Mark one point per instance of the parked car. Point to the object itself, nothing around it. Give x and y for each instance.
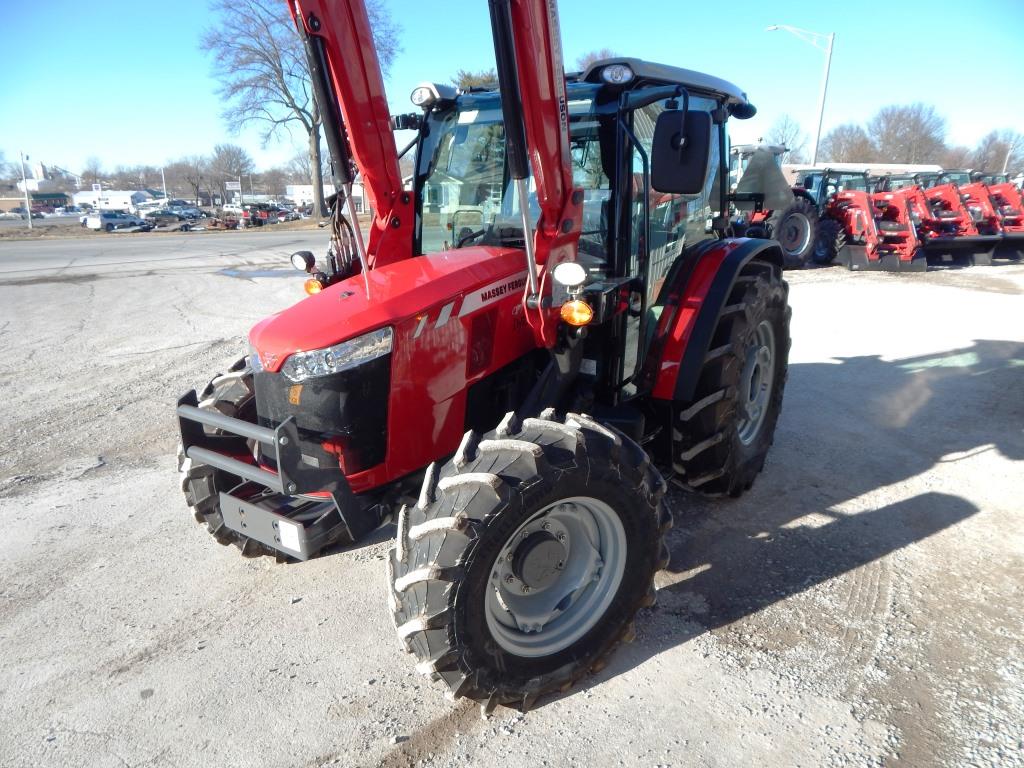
(20, 210)
(9, 215)
(190, 212)
(232, 208)
(163, 216)
(111, 220)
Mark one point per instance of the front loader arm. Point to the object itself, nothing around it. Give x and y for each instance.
(528, 52)
(357, 102)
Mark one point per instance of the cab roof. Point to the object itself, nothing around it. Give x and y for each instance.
(663, 73)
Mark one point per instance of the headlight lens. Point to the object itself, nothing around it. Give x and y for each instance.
(340, 357)
(617, 74)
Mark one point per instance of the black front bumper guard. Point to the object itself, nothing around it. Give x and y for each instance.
(267, 506)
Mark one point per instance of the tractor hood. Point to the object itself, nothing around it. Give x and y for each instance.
(398, 292)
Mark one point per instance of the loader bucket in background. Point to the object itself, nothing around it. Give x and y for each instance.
(963, 250)
(857, 259)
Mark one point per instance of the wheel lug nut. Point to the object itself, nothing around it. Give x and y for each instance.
(526, 589)
(546, 526)
(509, 579)
(561, 537)
(509, 557)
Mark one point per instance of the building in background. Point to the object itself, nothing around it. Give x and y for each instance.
(113, 199)
(302, 194)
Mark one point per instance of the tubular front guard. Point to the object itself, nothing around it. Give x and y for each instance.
(271, 507)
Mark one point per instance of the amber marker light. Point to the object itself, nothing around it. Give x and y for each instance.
(577, 312)
(312, 285)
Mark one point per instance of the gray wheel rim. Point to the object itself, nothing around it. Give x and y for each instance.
(795, 234)
(756, 382)
(540, 622)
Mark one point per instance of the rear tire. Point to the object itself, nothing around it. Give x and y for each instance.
(831, 238)
(232, 394)
(794, 228)
(721, 437)
(453, 558)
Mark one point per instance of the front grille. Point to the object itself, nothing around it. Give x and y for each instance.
(343, 415)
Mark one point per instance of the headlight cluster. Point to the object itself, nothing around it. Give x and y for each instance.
(340, 357)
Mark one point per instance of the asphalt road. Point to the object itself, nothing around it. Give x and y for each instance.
(861, 606)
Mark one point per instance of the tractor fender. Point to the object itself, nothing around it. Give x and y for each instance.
(693, 297)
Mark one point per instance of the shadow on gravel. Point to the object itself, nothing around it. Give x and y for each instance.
(847, 429)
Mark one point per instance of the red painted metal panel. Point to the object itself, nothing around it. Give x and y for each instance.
(680, 313)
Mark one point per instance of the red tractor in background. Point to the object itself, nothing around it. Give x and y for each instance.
(513, 362)
(995, 206)
(789, 215)
(863, 229)
(946, 229)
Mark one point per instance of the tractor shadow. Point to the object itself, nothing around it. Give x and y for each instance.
(847, 429)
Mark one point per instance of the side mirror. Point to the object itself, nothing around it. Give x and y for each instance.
(304, 261)
(679, 164)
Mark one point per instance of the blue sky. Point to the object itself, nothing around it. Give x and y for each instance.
(126, 82)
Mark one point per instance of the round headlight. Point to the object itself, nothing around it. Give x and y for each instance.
(617, 74)
(570, 274)
(422, 96)
(303, 261)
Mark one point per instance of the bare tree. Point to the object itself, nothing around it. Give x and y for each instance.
(588, 58)
(847, 143)
(92, 172)
(272, 181)
(229, 162)
(300, 170)
(465, 79)
(6, 169)
(786, 131)
(188, 175)
(957, 156)
(998, 150)
(912, 133)
(260, 62)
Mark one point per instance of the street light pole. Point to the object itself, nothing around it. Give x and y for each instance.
(818, 40)
(24, 187)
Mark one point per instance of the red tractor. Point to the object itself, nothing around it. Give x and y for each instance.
(947, 230)
(860, 228)
(511, 364)
(996, 207)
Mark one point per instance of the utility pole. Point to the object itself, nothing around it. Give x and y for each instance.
(24, 187)
(817, 39)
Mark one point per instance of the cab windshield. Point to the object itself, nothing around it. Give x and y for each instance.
(468, 197)
(957, 177)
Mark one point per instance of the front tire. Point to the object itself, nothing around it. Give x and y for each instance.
(515, 509)
(794, 228)
(233, 395)
(721, 437)
(831, 239)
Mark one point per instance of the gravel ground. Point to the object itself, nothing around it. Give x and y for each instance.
(861, 606)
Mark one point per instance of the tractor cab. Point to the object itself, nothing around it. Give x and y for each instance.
(821, 185)
(994, 178)
(465, 194)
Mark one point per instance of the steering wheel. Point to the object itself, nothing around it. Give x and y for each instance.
(466, 235)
